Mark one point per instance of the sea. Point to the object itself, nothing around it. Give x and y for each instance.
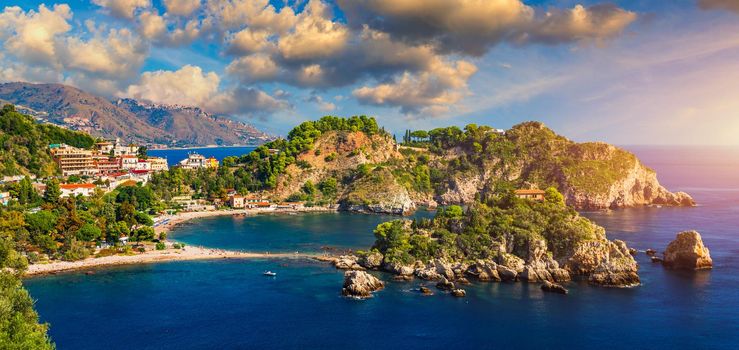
(229, 304)
(175, 155)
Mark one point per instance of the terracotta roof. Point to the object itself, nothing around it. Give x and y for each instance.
(76, 186)
(530, 192)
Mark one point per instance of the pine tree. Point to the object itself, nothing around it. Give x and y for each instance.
(52, 192)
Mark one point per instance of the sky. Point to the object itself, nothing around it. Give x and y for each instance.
(624, 72)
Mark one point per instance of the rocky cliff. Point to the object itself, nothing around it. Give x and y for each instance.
(374, 174)
(590, 175)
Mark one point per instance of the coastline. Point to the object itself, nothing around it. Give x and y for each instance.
(182, 217)
(187, 253)
(171, 254)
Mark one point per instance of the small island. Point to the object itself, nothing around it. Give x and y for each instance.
(500, 238)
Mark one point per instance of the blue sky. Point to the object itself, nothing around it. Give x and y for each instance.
(625, 72)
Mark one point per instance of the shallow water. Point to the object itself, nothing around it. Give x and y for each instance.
(229, 304)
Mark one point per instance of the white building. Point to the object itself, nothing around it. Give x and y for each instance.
(73, 190)
(193, 161)
(117, 148)
(158, 164)
(129, 162)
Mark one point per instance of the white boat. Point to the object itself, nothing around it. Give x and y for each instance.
(270, 273)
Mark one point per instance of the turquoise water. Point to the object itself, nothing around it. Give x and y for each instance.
(306, 232)
(229, 304)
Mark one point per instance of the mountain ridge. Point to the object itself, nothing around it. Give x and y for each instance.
(128, 119)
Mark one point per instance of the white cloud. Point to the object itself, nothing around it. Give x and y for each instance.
(152, 26)
(188, 86)
(31, 36)
(118, 55)
(431, 91)
(181, 7)
(315, 35)
(122, 8)
(253, 68)
(249, 40)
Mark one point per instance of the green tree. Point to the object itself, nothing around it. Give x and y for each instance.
(143, 234)
(89, 232)
(553, 196)
(53, 191)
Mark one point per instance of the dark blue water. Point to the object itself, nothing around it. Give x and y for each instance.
(228, 304)
(175, 155)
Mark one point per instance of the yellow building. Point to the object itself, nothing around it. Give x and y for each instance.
(211, 163)
(73, 160)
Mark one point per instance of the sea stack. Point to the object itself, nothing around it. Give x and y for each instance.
(360, 284)
(687, 252)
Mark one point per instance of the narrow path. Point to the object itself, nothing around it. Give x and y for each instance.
(188, 253)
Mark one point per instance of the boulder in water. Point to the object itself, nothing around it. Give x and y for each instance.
(687, 252)
(459, 293)
(445, 284)
(360, 284)
(553, 288)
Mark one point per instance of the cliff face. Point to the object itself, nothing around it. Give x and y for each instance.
(374, 174)
(338, 155)
(590, 175)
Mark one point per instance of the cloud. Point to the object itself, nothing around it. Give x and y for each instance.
(315, 35)
(595, 23)
(188, 86)
(246, 101)
(429, 91)
(165, 31)
(323, 105)
(181, 7)
(31, 36)
(122, 8)
(249, 40)
(258, 14)
(254, 68)
(472, 27)
(118, 55)
(729, 5)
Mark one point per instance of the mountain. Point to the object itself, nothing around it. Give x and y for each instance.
(368, 171)
(127, 119)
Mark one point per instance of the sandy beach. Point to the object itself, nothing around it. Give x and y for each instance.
(153, 256)
(166, 223)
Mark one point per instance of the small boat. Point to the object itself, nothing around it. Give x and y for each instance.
(270, 273)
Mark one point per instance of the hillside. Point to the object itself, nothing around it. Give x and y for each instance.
(368, 171)
(127, 119)
(24, 144)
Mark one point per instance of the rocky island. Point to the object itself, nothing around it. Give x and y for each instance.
(500, 238)
(359, 166)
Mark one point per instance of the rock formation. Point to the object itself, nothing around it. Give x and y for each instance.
(687, 252)
(347, 262)
(360, 284)
(607, 263)
(371, 260)
(553, 288)
(459, 293)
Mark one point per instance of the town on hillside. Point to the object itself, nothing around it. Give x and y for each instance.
(110, 164)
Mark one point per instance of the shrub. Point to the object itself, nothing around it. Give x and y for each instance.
(160, 246)
(330, 158)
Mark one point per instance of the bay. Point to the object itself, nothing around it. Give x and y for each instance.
(229, 304)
